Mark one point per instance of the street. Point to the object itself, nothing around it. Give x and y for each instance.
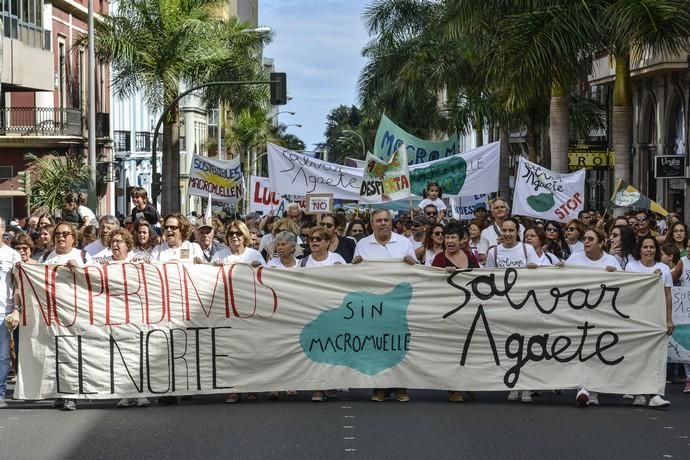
(350, 426)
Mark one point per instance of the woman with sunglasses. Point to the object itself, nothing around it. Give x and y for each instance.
(24, 245)
(175, 246)
(574, 231)
(647, 259)
(432, 245)
(238, 250)
(320, 256)
(345, 247)
(593, 256)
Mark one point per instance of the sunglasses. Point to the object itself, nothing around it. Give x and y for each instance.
(316, 239)
(62, 234)
(171, 227)
(642, 219)
(551, 229)
(431, 213)
(231, 233)
(589, 238)
(438, 233)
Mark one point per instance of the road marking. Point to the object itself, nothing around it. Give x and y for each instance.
(683, 437)
(349, 438)
(349, 416)
(350, 450)
(668, 456)
(668, 428)
(346, 407)
(348, 427)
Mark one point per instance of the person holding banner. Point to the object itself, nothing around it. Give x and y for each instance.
(345, 247)
(491, 234)
(595, 257)
(648, 260)
(384, 244)
(99, 250)
(285, 243)
(121, 243)
(176, 247)
(433, 245)
(8, 259)
(238, 251)
(536, 236)
(145, 239)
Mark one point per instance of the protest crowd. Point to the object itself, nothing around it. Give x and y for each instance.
(637, 241)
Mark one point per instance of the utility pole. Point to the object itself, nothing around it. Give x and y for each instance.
(91, 144)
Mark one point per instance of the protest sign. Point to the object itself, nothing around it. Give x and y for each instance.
(128, 330)
(297, 174)
(625, 195)
(679, 342)
(542, 193)
(462, 207)
(319, 203)
(385, 181)
(222, 179)
(389, 138)
(265, 200)
(471, 173)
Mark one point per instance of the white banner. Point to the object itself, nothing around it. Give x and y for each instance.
(462, 207)
(222, 179)
(679, 342)
(142, 329)
(293, 173)
(549, 195)
(385, 181)
(266, 201)
(471, 173)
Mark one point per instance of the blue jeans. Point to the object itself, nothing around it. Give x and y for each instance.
(5, 361)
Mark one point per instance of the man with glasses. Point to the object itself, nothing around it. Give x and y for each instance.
(644, 224)
(204, 236)
(8, 310)
(491, 235)
(385, 244)
(586, 217)
(99, 251)
(431, 213)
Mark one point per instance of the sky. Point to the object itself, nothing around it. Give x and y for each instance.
(318, 43)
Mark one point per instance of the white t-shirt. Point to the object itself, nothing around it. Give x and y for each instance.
(438, 202)
(581, 259)
(415, 244)
(99, 252)
(636, 266)
(129, 258)
(429, 257)
(275, 262)
(186, 252)
(86, 212)
(8, 259)
(266, 242)
(685, 275)
(398, 247)
(489, 237)
(226, 257)
(548, 258)
(579, 246)
(511, 257)
(61, 259)
(332, 259)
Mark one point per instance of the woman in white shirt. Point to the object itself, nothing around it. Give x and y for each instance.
(433, 244)
(595, 257)
(319, 240)
(285, 243)
(574, 232)
(536, 237)
(511, 253)
(64, 241)
(647, 259)
(175, 247)
(238, 240)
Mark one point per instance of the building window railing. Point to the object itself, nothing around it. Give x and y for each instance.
(121, 141)
(40, 121)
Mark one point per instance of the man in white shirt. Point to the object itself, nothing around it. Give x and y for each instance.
(8, 259)
(99, 250)
(385, 244)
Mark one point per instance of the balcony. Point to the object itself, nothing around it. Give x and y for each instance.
(142, 141)
(40, 121)
(121, 141)
(646, 66)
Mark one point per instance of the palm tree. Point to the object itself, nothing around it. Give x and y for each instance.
(159, 46)
(54, 176)
(634, 28)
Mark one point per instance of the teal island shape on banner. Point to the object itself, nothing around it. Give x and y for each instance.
(367, 332)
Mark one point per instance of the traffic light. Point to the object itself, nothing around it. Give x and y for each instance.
(156, 186)
(278, 88)
(24, 182)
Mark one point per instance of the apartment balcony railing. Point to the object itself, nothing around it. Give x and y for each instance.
(142, 141)
(121, 141)
(40, 121)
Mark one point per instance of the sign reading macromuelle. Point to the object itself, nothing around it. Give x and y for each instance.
(144, 329)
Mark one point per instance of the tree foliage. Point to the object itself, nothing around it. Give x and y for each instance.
(54, 176)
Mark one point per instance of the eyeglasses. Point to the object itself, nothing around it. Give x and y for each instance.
(21, 248)
(113, 242)
(62, 234)
(632, 223)
(438, 233)
(231, 233)
(315, 239)
(434, 213)
(551, 229)
(642, 219)
(171, 227)
(589, 238)
(327, 224)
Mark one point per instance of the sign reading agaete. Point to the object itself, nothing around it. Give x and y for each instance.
(131, 330)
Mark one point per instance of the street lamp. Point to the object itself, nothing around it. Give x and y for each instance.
(283, 111)
(293, 124)
(361, 139)
(257, 30)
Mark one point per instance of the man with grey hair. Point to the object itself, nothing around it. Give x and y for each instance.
(99, 250)
(8, 310)
(294, 213)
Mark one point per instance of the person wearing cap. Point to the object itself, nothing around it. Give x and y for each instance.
(419, 227)
(205, 237)
(385, 244)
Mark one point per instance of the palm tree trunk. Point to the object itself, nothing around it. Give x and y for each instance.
(559, 131)
(479, 133)
(504, 173)
(622, 122)
(170, 188)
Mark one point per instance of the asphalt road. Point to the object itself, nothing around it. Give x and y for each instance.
(349, 426)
